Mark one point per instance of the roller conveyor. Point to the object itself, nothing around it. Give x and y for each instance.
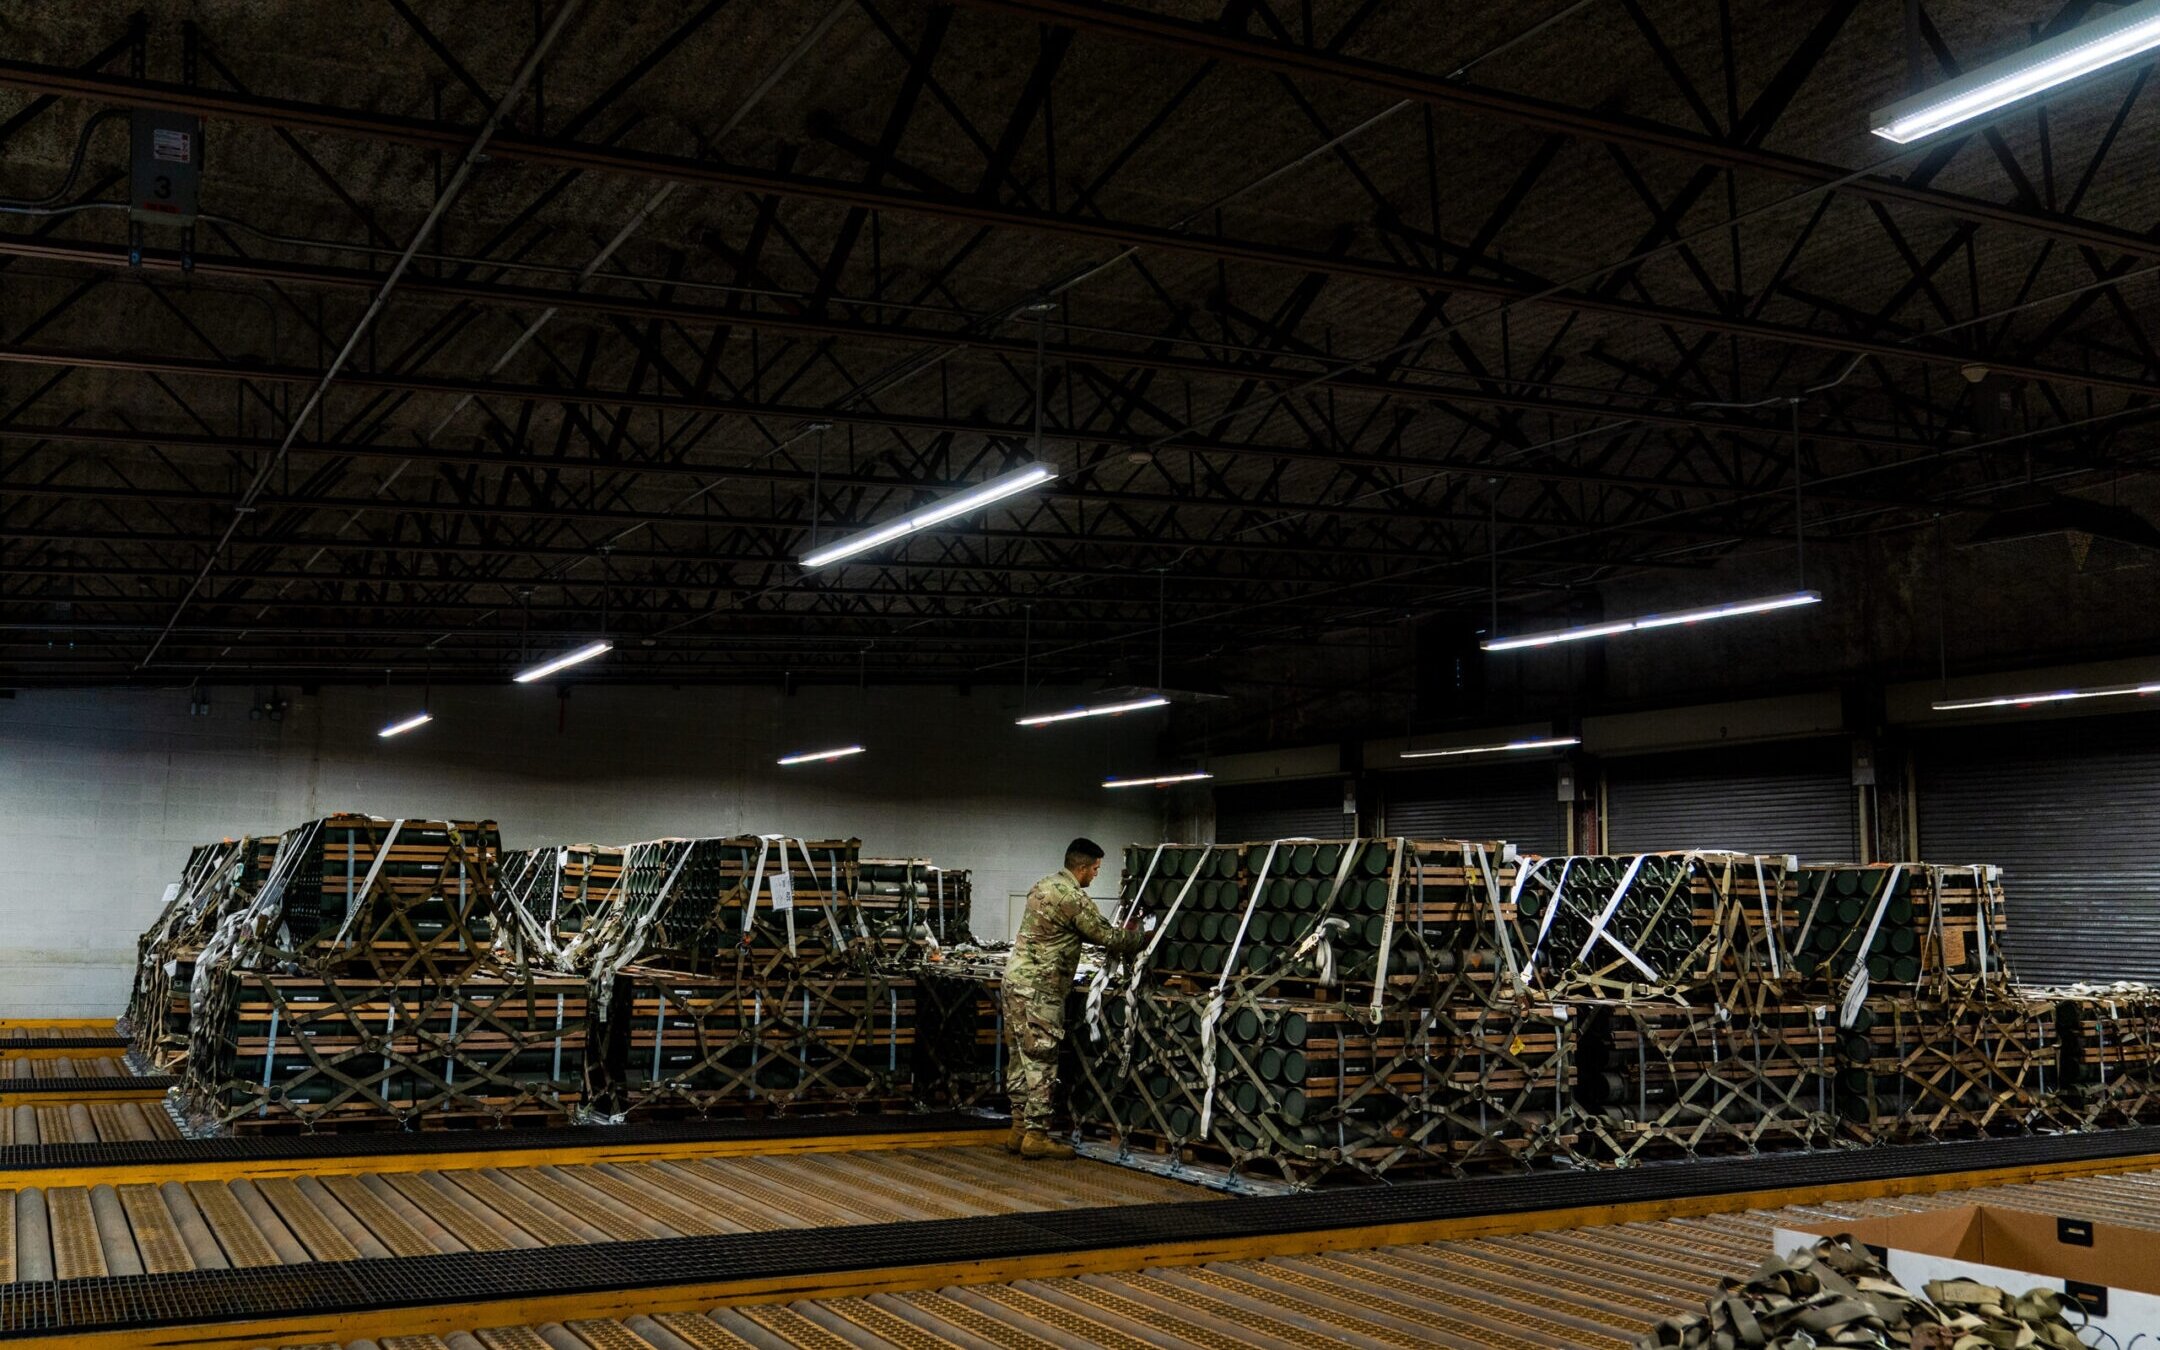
(1594, 1288)
(95, 1122)
(75, 1232)
(20, 1067)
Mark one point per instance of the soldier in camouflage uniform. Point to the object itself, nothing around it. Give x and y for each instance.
(1038, 976)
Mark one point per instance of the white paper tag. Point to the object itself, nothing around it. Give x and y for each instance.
(783, 891)
(172, 892)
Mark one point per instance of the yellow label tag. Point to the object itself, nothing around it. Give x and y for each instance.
(1517, 1046)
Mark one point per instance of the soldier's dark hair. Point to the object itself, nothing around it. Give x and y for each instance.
(1081, 852)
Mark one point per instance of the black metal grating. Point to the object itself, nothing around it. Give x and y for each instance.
(155, 1153)
(70, 1087)
(123, 1303)
(86, 1041)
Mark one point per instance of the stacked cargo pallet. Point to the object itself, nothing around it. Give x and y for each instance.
(1934, 1039)
(552, 897)
(2107, 1041)
(1689, 1033)
(959, 1030)
(362, 987)
(1313, 1006)
(1393, 1006)
(738, 976)
(921, 916)
(902, 898)
(219, 879)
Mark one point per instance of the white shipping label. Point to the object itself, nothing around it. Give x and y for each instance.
(172, 891)
(783, 891)
(171, 147)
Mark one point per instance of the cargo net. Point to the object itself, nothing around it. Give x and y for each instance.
(2107, 1040)
(361, 986)
(1373, 921)
(1901, 925)
(738, 976)
(913, 907)
(1297, 1091)
(1963, 1062)
(1663, 1080)
(218, 879)
(1648, 925)
(549, 897)
(776, 1040)
(960, 1036)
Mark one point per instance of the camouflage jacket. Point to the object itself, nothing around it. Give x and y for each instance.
(1059, 917)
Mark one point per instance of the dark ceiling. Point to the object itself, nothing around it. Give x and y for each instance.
(1345, 313)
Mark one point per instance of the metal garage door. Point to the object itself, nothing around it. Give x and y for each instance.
(1517, 803)
(1781, 797)
(2071, 810)
(1281, 811)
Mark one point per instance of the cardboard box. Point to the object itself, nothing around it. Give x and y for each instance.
(2113, 1271)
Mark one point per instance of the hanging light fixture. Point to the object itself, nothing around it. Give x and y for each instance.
(1159, 780)
(400, 728)
(1095, 710)
(1019, 480)
(2053, 696)
(564, 662)
(820, 756)
(1729, 610)
(1540, 743)
(2128, 33)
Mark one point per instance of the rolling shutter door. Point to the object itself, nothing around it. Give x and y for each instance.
(2071, 811)
(1517, 804)
(1779, 797)
(1282, 811)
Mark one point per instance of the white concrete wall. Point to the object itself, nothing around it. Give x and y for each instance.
(103, 792)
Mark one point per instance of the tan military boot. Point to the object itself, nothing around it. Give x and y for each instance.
(1012, 1140)
(1037, 1146)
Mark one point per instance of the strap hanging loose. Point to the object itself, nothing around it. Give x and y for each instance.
(1101, 982)
(1856, 994)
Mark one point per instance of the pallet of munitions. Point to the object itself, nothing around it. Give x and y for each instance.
(339, 1052)
(738, 976)
(1315, 918)
(557, 895)
(1964, 1060)
(1646, 925)
(1295, 1090)
(776, 1040)
(1667, 1078)
(960, 1031)
(1307, 1007)
(2107, 1042)
(901, 898)
(362, 987)
(218, 880)
(1903, 924)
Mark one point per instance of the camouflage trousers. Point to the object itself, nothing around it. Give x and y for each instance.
(1034, 1029)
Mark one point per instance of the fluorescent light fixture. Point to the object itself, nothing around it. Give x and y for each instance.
(1159, 780)
(399, 728)
(2055, 696)
(1542, 743)
(817, 756)
(1099, 710)
(1647, 621)
(2131, 31)
(564, 662)
(1019, 480)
